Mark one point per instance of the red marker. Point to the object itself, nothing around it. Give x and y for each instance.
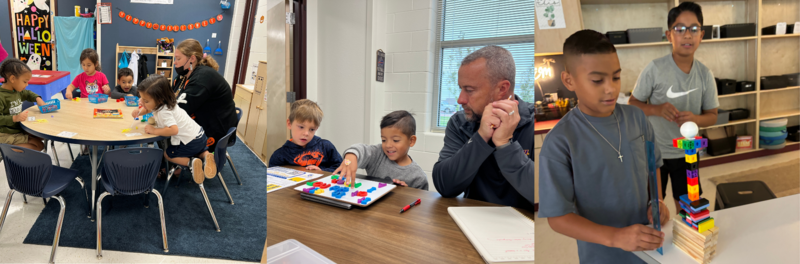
(409, 206)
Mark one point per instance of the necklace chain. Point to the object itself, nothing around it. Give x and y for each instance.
(618, 149)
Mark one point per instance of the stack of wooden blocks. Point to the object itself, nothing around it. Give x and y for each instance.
(694, 231)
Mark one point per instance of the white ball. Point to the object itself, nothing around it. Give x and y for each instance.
(689, 130)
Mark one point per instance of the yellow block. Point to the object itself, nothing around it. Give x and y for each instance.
(693, 189)
(691, 158)
(297, 179)
(708, 224)
(319, 191)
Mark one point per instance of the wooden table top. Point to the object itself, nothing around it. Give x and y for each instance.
(377, 234)
(78, 117)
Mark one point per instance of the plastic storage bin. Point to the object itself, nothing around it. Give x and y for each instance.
(778, 122)
(794, 133)
(617, 37)
(726, 86)
(738, 30)
(644, 35)
(739, 114)
(292, 251)
(98, 98)
(792, 79)
(745, 86)
(131, 100)
(723, 116)
(774, 82)
(707, 30)
(734, 194)
(50, 106)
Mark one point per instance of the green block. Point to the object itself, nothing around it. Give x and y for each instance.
(358, 185)
(310, 183)
(335, 177)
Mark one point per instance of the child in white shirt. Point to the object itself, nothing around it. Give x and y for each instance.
(187, 143)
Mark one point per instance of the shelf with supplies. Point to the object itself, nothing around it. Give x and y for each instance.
(666, 43)
(737, 94)
(780, 114)
(788, 143)
(709, 157)
(781, 89)
(165, 57)
(780, 36)
(731, 123)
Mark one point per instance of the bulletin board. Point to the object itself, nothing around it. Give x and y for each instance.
(33, 33)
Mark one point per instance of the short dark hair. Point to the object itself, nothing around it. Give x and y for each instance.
(402, 120)
(13, 67)
(124, 72)
(586, 41)
(92, 56)
(685, 7)
(157, 87)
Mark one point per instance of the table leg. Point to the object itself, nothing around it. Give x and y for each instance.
(94, 178)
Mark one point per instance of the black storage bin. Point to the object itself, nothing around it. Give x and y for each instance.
(644, 35)
(772, 30)
(794, 134)
(721, 146)
(792, 79)
(738, 30)
(745, 86)
(707, 30)
(726, 86)
(774, 82)
(733, 194)
(739, 114)
(617, 37)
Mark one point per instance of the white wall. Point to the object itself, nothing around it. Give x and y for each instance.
(233, 42)
(342, 61)
(258, 44)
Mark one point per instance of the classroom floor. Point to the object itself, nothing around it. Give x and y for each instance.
(21, 217)
(555, 248)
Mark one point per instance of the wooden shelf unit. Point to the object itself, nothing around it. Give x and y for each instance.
(144, 51)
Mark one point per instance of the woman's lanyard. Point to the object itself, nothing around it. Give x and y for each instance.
(183, 87)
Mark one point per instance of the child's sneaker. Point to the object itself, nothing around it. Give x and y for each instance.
(210, 166)
(196, 166)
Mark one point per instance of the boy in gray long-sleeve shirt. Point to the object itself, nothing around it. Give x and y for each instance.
(124, 85)
(390, 158)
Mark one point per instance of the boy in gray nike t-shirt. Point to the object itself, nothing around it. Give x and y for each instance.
(388, 160)
(593, 183)
(679, 89)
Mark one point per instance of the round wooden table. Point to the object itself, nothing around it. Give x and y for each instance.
(78, 117)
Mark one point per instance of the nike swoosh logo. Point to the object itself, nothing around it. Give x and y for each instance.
(672, 94)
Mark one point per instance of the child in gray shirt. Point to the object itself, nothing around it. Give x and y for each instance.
(389, 159)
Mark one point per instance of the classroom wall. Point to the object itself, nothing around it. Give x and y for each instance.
(5, 29)
(233, 48)
(181, 12)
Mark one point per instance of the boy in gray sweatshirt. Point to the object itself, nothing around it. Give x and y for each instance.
(389, 159)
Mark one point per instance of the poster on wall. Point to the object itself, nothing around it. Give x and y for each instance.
(32, 25)
(161, 2)
(550, 14)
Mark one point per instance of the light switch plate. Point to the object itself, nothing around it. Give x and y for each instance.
(213, 35)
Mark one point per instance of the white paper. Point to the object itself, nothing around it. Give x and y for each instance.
(780, 28)
(132, 134)
(164, 64)
(797, 27)
(162, 2)
(105, 14)
(280, 177)
(67, 134)
(550, 14)
(30, 118)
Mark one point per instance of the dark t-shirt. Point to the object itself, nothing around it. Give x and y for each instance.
(208, 99)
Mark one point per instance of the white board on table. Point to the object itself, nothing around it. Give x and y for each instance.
(347, 198)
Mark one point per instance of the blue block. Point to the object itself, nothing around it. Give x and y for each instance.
(690, 151)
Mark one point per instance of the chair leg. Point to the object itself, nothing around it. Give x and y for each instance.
(100, 225)
(210, 210)
(234, 169)
(225, 186)
(58, 227)
(163, 224)
(169, 176)
(24, 199)
(5, 208)
(55, 153)
(45, 201)
(72, 156)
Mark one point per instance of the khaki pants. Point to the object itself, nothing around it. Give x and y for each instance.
(14, 139)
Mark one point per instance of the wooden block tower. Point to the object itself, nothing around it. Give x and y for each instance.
(694, 231)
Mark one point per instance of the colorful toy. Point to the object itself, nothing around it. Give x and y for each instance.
(76, 99)
(130, 100)
(353, 195)
(381, 185)
(50, 106)
(98, 98)
(126, 130)
(694, 231)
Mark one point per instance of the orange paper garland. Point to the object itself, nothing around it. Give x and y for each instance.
(170, 28)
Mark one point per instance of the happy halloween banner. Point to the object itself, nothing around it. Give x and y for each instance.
(33, 33)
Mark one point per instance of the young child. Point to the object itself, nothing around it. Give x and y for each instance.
(187, 144)
(593, 180)
(124, 84)
(91, 81)
(389, 159)
(305, 149)
(679, 89)
(16, 75)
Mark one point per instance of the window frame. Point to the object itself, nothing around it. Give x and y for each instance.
(438, 51)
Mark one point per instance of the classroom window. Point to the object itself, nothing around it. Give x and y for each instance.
(464, 26)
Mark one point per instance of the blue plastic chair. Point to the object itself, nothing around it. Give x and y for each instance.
(231, 142)
(129, 171)
(32, 173)
(25, 105)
